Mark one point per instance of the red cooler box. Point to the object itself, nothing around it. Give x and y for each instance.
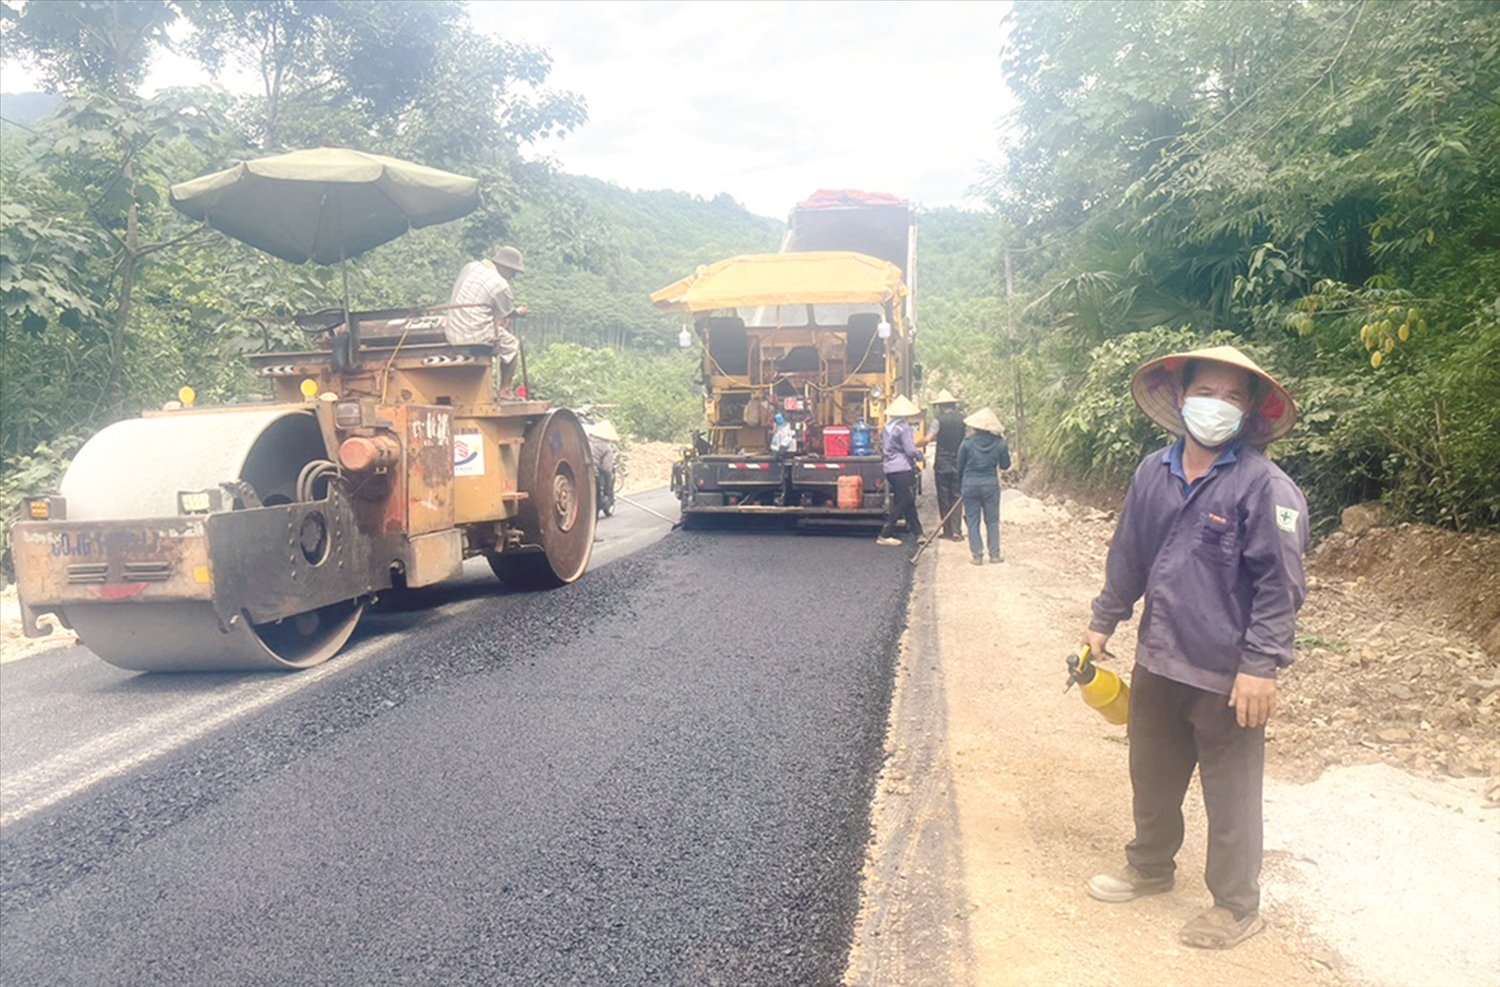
(836, 440)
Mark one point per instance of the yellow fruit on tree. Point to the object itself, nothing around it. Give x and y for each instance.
(1375, 359)
(1390, 344)
(1405, 332)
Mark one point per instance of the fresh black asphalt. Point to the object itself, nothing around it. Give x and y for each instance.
(659, 775)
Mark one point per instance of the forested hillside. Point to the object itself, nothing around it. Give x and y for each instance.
(1313, 181)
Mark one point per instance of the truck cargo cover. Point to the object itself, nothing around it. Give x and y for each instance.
(812, 278)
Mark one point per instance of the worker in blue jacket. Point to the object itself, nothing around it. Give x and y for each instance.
(1211, 538)
(981, 457)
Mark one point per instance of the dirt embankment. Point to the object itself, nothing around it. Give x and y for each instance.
(1399, 655)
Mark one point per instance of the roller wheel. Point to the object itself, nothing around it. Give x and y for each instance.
(557, 517)
(134, 468)
(175, 637)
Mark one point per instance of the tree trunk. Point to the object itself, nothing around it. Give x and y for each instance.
(114, 392)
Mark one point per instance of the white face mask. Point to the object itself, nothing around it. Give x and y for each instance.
(1211, 421)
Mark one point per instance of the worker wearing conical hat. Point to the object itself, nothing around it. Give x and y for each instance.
(901, 461)
(1211, 539)
(482, 310)
(982, 456)
(946, 439)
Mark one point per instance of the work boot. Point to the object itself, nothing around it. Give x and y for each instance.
(1217, 928)
(1127, 885)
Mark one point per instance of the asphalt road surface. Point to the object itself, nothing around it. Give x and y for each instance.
(658, 775)
(71, 721)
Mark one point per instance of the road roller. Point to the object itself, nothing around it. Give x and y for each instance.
(253, 536)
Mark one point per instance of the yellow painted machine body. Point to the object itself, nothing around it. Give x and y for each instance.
(252, 536)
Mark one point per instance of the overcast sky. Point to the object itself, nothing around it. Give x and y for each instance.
(770, 100)
(766, 100)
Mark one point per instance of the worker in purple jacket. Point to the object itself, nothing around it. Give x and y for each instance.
(1211, 538)
(901, 460)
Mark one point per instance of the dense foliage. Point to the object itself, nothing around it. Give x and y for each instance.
(1315, 179)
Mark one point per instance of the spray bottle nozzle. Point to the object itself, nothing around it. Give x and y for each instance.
(1080, 670)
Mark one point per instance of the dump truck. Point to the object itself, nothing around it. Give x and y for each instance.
(253, 536)
(820, 334)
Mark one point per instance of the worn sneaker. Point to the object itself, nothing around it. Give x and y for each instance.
(1217, 928)
(1127, 885)
(888, 540)
(997, 557)
(977, 560)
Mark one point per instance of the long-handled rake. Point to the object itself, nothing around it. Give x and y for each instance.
(935, 531)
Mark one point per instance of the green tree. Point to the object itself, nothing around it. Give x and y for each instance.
(1303, 175)
(103, 45)
(102, 154)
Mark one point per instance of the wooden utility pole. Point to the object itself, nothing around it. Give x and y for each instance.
(1015, 357)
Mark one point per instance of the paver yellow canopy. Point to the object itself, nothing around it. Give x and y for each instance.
(252, 536)
(827, 277)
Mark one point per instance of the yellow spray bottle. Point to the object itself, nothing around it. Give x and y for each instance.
(1101, 688)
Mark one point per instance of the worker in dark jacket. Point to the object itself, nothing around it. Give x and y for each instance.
(981, 457)
(1211, 537)
(949, 436)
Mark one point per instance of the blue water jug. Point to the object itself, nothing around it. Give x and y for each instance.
(859, 439)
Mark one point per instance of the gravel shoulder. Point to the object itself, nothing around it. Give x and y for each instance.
(1001, 795)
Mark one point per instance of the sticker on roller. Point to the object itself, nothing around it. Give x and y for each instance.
(468, 453)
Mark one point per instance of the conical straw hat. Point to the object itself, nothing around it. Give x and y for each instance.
(1157, 389)
(606, 431)
(901, 408)
(985, 420)
(944, 398)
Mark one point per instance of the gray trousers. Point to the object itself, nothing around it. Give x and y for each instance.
(983, 501)
(1174, 728)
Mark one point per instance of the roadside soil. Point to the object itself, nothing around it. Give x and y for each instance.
(14, 645)
(1001, 795)
(648, 465)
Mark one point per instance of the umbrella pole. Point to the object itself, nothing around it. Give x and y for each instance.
(351, 324)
